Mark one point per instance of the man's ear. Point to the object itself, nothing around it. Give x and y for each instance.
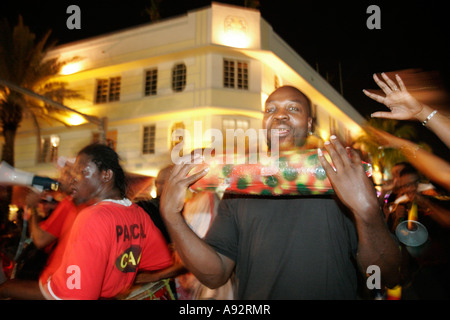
(107, 175)
(310, 124)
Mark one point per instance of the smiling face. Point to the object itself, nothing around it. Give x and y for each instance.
(287, 114)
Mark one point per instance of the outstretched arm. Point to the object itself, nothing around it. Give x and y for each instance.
(153, 276)
(434, 168)
(353, 187)
(438, 213)
(210, 267)
(21, 290)
(403, 106)
(40, 237)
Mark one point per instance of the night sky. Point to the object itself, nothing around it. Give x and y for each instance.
(413, 34)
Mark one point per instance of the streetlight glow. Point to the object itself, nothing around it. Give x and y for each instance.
(75, 120)
(71, 68)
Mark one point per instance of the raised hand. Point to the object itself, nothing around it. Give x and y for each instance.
(349, 180)
(174, 192)
(402, 104)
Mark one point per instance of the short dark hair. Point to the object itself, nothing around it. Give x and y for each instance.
(106, 158)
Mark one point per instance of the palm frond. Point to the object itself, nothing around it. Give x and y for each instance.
(24, 63)
(405, 132)
(379, 155)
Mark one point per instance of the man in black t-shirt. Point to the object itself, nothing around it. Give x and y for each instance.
(288, 248)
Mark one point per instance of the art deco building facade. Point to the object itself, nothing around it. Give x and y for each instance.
(213, 66)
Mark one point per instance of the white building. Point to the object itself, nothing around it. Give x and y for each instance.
(215, 65)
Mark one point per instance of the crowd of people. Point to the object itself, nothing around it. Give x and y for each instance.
(418, 191)
(99, 244)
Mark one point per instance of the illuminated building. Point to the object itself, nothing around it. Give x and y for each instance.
(215, 65)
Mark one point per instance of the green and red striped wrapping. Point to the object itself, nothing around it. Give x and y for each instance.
(295, 172)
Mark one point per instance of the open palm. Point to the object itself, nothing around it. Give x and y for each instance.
(402, 104)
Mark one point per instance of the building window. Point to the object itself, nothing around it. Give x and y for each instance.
(179, 77)
(235, 74)
(176, 137)
(314, 108)
(276, 82)
(235, 124)
(102, 91)
(114, 89)
(237, 137)
(151, 79)
(228, 73)
(49, 149)
(333, 126)
(148, 139)
(108, 90)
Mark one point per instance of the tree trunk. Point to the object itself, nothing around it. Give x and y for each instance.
(9, 133)
(8, 148)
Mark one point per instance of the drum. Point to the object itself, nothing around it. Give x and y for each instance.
(159, 290)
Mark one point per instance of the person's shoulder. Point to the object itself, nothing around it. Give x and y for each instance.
(98, 211)
(64, 205)
(100, 216)
(86, 213)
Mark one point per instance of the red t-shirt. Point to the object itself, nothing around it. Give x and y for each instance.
(54, 224)
(59, 226)
(108, 243)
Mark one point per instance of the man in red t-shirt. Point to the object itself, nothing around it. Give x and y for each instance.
(51, 234)
(44, 234)
(59, 227)
(52, 227)
(109, 241)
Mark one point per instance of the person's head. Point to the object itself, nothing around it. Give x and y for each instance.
(395, 172)
(65, 177)
(47, 203)
(161, 178)
(98, 174)
(287, 111)
(407, 182)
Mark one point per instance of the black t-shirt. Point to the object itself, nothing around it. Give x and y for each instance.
(287, 248)
(152, 209)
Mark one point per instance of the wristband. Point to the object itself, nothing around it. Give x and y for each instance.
(431, 115)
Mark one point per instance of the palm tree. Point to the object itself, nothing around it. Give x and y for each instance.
(23, 62)
(386, 158)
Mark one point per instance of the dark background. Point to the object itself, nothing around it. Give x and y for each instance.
(413, 35)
